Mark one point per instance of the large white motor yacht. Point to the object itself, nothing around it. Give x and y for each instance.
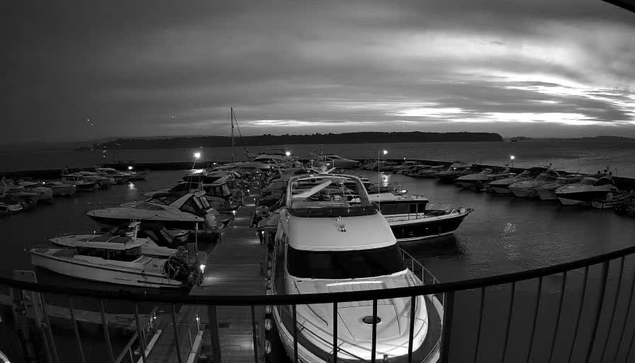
(325, 245)
(589, 189)
(170, 210)
(117, 263)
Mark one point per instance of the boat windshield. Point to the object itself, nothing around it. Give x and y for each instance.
(344, 264)
(588, 181)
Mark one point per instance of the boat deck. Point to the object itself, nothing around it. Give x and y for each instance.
(234, 268)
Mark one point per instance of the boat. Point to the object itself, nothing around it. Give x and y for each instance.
(137, 175)
(480, 181)
(589, 189)
(336, 161)
(80, 182)
(45, 193)
(411, 221)
(454, 171)
(406, 165)
(548, 191)
(8, 208)
(415, 169)
(102, 181)
(15, 194)
(117, 176)
(60, 189)
(116, 263)
(154, 239)
(528, 188)
(167, 209)
(432, 172)
(324, 244)
(611, 200)
(219, 192)
(501, 186)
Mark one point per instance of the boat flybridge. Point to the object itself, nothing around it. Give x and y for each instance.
(324, 244)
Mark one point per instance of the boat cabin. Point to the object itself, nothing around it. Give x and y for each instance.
(111, 251)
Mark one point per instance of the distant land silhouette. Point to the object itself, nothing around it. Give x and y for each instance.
(589, 138)
(287, 139)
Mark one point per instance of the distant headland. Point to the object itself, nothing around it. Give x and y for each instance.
(287, 139)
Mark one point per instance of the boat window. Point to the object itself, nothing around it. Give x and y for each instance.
(166, 199)
(204, 202)
(189, 207)
(388, 208)
(603, 181)
(226, 191)
(93, 252)
(130, 254)
(413, 208)
(344, 264)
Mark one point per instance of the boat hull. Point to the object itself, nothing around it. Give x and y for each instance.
(427, 227)
(583, 196)
(87, 271)
(547, 194)
(500, 189)
(169, 224)
(522, 192)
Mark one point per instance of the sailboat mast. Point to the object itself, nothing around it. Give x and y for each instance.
(232, 123)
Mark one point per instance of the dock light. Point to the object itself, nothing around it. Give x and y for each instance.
(512, 157)
(385, 152)
(197, 155)
(287, 153)
(202, 267)
(130, 167)
(234, 212)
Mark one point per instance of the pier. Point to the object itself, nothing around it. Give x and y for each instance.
(234, 268)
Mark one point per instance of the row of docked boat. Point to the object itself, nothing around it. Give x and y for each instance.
(544, 183)
(21, 194)
(152, 243)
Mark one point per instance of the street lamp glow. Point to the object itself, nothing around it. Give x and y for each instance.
(130, 167)
(287, 153)
(197, 155)
(512, 157)
(385, 152)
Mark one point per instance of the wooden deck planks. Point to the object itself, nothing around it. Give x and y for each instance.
(234, 268)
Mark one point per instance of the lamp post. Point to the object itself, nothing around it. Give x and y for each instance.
(511, 158)
(379, 153)
(197, 155)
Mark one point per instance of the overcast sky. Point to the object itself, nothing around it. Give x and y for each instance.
(89, 69)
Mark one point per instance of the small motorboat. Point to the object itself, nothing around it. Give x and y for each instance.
(60, 189)
(45, 193)
(116, 263)
(80, 182)
(117, 176)
(611, 200)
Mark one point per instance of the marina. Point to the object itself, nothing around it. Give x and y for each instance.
(237, 263)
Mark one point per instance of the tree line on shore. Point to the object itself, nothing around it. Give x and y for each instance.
(287, 139)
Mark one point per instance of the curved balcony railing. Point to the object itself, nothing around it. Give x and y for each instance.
(577, 311)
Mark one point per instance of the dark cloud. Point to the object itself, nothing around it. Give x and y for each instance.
(157, 68)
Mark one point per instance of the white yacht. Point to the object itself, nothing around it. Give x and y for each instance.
(501, 186)
(117, 176)
(528, 188)
(548, 191)
(409, 218)
(170, 210)
(117, 263)
(325, 245)
(589, 189)
(60, 189)
(336, 161)
(480, 181)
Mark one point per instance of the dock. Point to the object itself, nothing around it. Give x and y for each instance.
(234, 268)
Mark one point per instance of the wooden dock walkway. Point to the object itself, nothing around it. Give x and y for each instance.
(234, 268)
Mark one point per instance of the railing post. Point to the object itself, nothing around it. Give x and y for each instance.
(577, 324)
(213, 332)
(76, 330)
(335, 345)
(373, 350)
(533, 327)
(411, 328)
(628, 313)
(295, 333)
(253, 333)
(104, 322)
(617, 295)
(555, 333)
(140, 333)
(176, 335)
(509, 318)
(598, 313)
(480, 323)
(448, 313)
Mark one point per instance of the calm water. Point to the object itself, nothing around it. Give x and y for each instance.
(502, 235)
(583, 156)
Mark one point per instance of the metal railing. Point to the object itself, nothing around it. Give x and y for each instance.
(578, 311)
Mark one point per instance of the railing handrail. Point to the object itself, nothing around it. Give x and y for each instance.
(322, 298)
